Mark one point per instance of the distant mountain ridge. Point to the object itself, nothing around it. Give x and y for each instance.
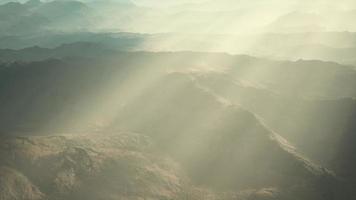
(124, 15)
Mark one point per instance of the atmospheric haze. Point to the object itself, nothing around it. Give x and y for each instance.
(177, 100)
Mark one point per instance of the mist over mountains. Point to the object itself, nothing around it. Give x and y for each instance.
(198, 17)
(177, 100)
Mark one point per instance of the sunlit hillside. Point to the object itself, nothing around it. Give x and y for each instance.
(177, 100)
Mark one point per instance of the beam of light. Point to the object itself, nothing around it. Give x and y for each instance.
(254, 75)
(247, 80)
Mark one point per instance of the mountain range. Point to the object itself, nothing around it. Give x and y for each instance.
(62, 93)
(177, 100)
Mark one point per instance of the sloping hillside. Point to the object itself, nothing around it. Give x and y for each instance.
(128, 166)
(213, 142)
(226, 149)
(118, 166)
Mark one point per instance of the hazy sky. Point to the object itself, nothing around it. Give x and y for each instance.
(347, 4)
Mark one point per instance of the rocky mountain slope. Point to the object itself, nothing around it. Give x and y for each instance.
(192, 140)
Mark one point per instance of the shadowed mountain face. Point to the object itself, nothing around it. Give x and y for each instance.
(128, 165)
(188, 129)
(307, 123)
